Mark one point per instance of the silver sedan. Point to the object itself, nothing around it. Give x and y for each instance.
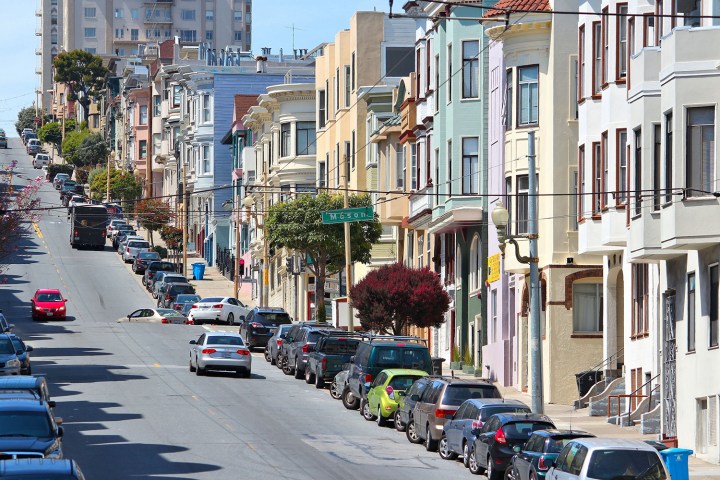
(220, 351)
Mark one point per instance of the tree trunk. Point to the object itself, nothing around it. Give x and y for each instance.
(320, 313)
(150, 234)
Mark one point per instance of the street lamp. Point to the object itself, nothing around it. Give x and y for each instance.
(248, 202)
(500, 218)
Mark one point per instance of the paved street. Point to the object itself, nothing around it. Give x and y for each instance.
(132, 409)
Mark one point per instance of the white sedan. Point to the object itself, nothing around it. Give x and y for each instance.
(217, 309)
(155, 315)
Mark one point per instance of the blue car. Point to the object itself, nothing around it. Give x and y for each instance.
(458, 433)
(45, 468)
(540, 451)
(23, 354)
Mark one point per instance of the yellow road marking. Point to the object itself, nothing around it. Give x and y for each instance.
(156, 365)
(37, 230)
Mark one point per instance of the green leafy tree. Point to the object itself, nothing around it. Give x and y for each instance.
(93, 149)
(297, 225)
(83, 73)
(153, 214)
(26, 119)
(123, 185)
(71, 146)
(51, 133)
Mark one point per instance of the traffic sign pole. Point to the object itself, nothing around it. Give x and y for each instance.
(348, 251)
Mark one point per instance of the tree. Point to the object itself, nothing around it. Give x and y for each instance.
(83, 73)
(173, 237)
(123, 185)
(71, 145)
(26, 119)
(153, 214)
(297, 225)
(51, 133)
(16, 211)
(394, 296)
(93, 149)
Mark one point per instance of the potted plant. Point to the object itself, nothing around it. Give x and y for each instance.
(455, 363)
(468, 361)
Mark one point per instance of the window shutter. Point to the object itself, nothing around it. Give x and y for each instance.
(712, 420)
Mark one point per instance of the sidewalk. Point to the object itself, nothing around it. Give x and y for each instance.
(213, 284)
(565, 416)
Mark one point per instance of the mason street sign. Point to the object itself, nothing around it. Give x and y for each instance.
(358, 214)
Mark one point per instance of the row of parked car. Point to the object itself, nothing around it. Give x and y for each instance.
(390, 380)
(30, 433)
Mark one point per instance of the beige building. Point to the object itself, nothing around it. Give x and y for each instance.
(118, 27)
(369, 57)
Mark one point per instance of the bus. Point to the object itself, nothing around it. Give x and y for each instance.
(88, 224)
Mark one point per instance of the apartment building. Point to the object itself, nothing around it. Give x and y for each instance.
(648, 123)
(118, 27)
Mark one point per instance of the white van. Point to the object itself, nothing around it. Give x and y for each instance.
(41, 160)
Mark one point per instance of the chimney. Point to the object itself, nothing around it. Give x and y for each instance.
(266, 51)
(281, 55)
(176, 50)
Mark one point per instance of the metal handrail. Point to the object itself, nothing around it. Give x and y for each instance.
(630, 396)
(603, 363)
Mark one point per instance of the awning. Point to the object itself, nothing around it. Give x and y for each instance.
(454, 219)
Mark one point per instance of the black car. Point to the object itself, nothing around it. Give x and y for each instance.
(495, 443)
(260, 324)
(122, 235)
(297, 344)
(168, 294)
(142, 260)
(458, 434)
(29, 430)
(406, 405)
(152, 269)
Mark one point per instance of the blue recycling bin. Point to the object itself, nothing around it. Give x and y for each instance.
(198, 270)
(676, 460)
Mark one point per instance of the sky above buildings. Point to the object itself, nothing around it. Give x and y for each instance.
(315, 21)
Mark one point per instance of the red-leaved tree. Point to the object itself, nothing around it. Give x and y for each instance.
(153, 214)
(394, 297)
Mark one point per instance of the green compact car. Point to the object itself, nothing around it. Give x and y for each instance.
(385, 392)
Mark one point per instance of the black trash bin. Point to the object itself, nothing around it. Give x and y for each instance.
(585, 380)
(437, 365)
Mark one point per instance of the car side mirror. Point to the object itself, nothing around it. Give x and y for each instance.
(192, 342)
(11, 326)
(28, 348)
(60, 431)
(65, 300)
(352, 359)
(51, 403)
(516, 449)
(415, 398)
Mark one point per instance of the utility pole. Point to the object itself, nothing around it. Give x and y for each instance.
(184, 218)
(535, 328)
(348, 251)
(109, 164)
(264, 300)
(236, 283)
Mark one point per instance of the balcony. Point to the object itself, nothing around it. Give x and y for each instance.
(38, 13)
(162, 20)
(38, 51)
(680, 221)
(605, 234)
(161, 2)
(38, 32)
(644, 238)
(393, 208)
(421, 203)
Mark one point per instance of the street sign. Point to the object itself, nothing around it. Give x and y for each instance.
(345, 215)
(493, 274)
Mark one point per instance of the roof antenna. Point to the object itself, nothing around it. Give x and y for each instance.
(391, 2)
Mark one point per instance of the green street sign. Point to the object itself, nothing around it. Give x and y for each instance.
(359, 214)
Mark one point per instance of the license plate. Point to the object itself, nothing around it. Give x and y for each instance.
(227, 354)
(49, 314)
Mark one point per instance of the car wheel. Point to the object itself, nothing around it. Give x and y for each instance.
(268, 358)
(365, 411)
(192, 369)
(279, 361)
(511, 474)
(199, 371)
(466, 454)
(473, 466)
(298, 373)
(154, 294)
(532, 476)
(286, 368)
(398, 423)
(230, 319)
(349, 400)
(197, 322)
(444, 449)
(319, 382)
(335, 391)
(143, 281)
(430, 444)
(247, 373)
(381, 421)
(411, 432)
(490, 471)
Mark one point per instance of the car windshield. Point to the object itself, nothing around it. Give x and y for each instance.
(456, 394)
(270, 318)
(180, 289)
(174, 279)
(399, 357)
(341, 346)
(6, 346)
(134, 244)
(162, 266)
(488, 412)
(49, 297)
(148, 255)
(224, 340)
(25, 424)
(402, 382)
(283, 330)
(625, 464)
(185, 298)
(523, 430)
(556, 444)
(212, 300)
(169, 313)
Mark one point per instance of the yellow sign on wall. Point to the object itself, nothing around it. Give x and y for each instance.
(493, 268)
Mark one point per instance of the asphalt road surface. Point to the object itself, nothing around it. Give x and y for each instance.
(131, 408)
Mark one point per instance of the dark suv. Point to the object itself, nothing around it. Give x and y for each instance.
(28, 429)
(377, 353)
(297, 345)
(496, 442)
(168, 294)
(151, 272)
(260, 324)
(440, 401)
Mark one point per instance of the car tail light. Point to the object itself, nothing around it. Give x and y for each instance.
(127, 249)
(219, 305)
(368, 377)
(440, 412)
(390, 391)
(164, 320)
(542, 465)
(306, 348)
(400, 344)
(167, 297)
(150, 274)
(208, 351)
(256, 325)
(477, 424)
(103, 233)
(323, 363)
(243, 351)
(279, 342)
(177, 307)
(75, 233)
(500, 436)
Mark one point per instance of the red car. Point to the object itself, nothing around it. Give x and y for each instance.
(48, 303)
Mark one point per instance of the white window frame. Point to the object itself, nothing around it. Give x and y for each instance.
(206, 108)
(206, 158)
(399, 166)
